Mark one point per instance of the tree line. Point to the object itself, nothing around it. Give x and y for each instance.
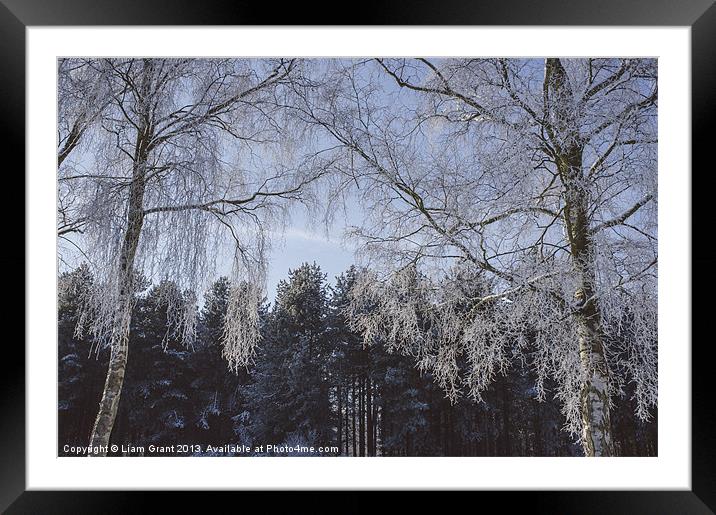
(313, 382)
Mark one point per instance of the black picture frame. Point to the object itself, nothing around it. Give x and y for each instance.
(700, 15)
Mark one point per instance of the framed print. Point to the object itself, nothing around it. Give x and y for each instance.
(449, 248)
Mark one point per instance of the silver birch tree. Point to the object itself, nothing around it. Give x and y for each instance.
(537, 175)
(163, 159)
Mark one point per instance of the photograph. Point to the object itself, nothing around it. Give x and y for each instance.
(357, 257)
(416, 247)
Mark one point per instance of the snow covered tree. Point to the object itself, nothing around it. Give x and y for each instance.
(80, 372)
(289, 398)
(509, 232)
(156, 406)
(213, 315)
(355, 375)
(82, 98)
(381, 402)
(541, 174)
(218, 392)
(175, 156)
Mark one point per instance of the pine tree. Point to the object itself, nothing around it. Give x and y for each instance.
(289, 396)
(156, 404)
(81, 370)
(347, 365)
(314, 381)
(217, 393)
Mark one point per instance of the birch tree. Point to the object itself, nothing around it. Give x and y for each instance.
(163, 160)
(81, 98)
(539, 176)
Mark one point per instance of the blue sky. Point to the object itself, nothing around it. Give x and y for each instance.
(299, 245)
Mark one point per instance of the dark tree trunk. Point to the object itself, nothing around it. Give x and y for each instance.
(339, 400)
(375, 425)
(353, 413)
(537, 429)
(347, 406)
(385, 426)
(361, 418)
(369, 416)
(506, 426)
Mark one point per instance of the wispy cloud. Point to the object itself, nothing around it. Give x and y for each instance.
(297, 234)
